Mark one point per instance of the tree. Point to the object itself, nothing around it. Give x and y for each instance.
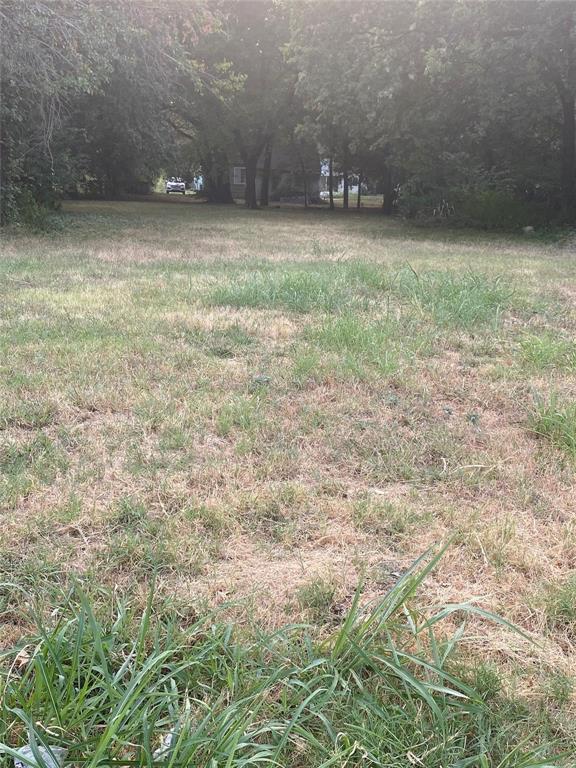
(85, 88)
(490, 98)
(255, 91)
(348, 61)
(451, 97)
(540, 37)
(50, 55)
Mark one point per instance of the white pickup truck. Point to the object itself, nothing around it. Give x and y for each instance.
(175, 185)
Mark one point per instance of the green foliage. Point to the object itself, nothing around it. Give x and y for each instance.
(32, 214)
(112, 686)
(82, 108)
(494, 209)
(462, 103)
(480, 207)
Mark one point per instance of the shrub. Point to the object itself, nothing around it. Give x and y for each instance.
(34, 214)
(490, 209)
(494, 209)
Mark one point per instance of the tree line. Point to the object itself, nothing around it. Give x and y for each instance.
(437, 105)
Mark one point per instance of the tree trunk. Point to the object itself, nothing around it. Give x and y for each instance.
(265, 189)
(251, 199)
(305, 190)
(388, 192)
(359, 198)
(568, 180)
(111, 187)
(331, 183)
(217, 189)
(216, 173)
(564, 83)
(345, 198)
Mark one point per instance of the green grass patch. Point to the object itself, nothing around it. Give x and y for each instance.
(364, 336)
(229, 342)
(455, 299)
(316, 600)
(355, 345)
(548, 351)
(27, 414)
(25, 464)
(560, 605)
(303, 288)
(138, 545)
(113, 687)
(382, 518)
(294, 291)
(393, 452)
(556, 422)
(239, 413)
(272, 513)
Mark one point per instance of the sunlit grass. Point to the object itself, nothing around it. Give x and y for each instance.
(462, 300)
(108, 686)
(556, 422)
(548, 351)
(269, 408)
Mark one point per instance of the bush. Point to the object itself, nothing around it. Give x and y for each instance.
(490, 209)
(493, 209)
(33, 214)
(414, 204)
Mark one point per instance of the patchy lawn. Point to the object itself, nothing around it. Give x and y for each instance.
(267, 408)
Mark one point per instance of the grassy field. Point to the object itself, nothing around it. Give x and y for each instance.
(262, 411)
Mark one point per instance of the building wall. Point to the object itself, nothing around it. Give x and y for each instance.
(239, 190)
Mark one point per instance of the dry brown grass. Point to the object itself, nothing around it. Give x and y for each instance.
(245, 473)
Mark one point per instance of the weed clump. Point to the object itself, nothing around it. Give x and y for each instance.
(556, 423)
(112, 687)
(560, 605)
(459, 300)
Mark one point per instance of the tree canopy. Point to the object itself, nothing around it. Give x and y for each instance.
(422, 101)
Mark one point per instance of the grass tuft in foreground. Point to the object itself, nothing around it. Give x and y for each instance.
(115, 689)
